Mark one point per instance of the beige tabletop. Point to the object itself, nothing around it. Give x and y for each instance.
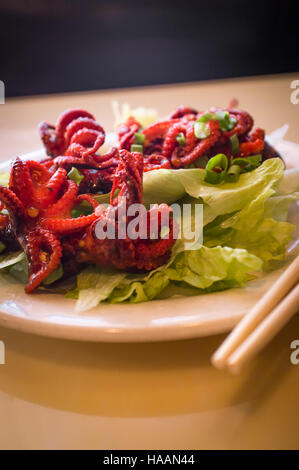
(63, 394)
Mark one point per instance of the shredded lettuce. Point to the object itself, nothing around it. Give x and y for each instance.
(10, 259)
(19, 271)
(206, 269)
(260, 226)
(249, 229)
(95, 285)
(15, 264)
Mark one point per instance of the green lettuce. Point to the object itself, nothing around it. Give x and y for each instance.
(9, 259)
(16, 265)
(218, 199)
(249, 229)
(216, 266)
(290, 181)
(260, 226)
(205, 269)
(94, 285)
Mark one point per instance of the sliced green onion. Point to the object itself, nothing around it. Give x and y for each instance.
(206, 117)
(233, 174)
(212, 177)
(234, 144)
(75, 175)
(139, 138)
(248, 163)
(181, 139)
(216, 169)
(2, 247)
(232, 123)
(54, 276)
(226, 122)
(201, 130)
(137, 148)
(218, 161)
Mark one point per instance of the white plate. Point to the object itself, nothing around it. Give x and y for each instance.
(175, 318)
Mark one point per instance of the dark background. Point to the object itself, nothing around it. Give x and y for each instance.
(72, 45)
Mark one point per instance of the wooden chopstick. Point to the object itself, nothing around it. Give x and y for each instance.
(265, 332)
(222, 357)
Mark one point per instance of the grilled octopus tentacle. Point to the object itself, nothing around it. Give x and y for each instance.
(44, 252)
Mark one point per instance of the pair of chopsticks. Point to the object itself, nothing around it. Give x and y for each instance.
(261, 323)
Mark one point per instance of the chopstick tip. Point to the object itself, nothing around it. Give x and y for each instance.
(217, 361)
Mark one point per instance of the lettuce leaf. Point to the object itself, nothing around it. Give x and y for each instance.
(170, 185)
(265, 237)
(16, 265)
(205, 269)
(290, 181)
(208, 267)
(94, 285)
(10, 259)
(19, 271)
(260, 226)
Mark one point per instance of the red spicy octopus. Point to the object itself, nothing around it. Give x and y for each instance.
(76, 138)
(125, 253)
(173, 143)
(74, 142)
(40, 203)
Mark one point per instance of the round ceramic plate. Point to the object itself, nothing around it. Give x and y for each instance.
(170, 319)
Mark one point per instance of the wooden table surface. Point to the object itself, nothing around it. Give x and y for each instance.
(65, 394)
